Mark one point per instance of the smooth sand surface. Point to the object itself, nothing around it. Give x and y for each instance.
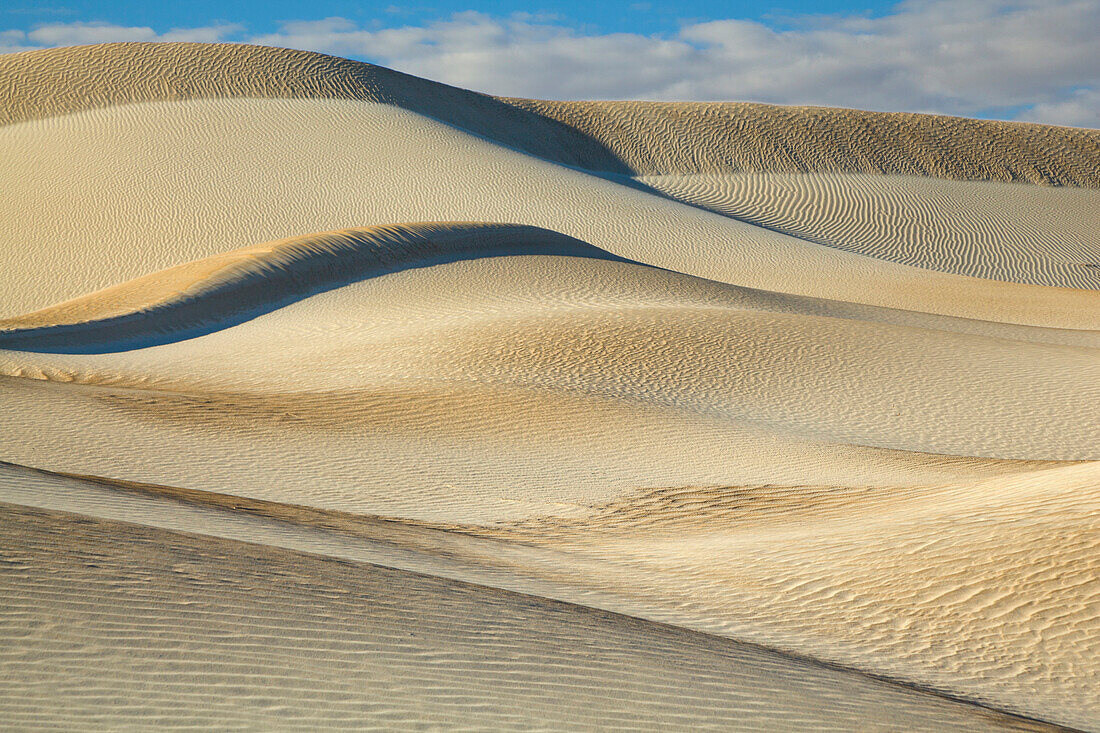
(821, 381)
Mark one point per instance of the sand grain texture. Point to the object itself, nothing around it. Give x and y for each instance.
(303, 642)
(334, 397)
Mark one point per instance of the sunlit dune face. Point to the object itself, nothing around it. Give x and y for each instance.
(374, 400)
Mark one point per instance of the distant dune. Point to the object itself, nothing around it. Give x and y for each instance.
(397, 404)
(639, 138)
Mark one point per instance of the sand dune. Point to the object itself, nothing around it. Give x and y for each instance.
(661, 381)
(1002, 640)
(226, 289)
(380, 163)
(396, 648)
(642, 138)
(1042, 236)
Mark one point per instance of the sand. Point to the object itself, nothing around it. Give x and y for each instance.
(642, 138)
(651, 415)
(305, 642)
(995, 231)
(83, 177)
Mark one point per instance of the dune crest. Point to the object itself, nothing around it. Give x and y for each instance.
(639, 138)
(371, 164)
(227, 289)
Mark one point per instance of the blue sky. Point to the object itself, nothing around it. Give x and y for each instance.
(1010, 59)
(596, 16)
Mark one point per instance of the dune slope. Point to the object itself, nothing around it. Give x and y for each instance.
(537, 414)
(337, 643)
(1042, 236)
(644, 138)
(226, 289)
(380, 164)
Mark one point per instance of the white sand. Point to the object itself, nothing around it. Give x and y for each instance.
(840, 402)
(257, 637)
(1001, 231)
(89, 185)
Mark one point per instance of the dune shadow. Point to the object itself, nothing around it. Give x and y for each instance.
(258, 280)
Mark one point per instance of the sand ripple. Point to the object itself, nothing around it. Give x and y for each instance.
(334, 397)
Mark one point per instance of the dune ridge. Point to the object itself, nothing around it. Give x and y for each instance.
(375, 163)
(227, 289)
(639, 138)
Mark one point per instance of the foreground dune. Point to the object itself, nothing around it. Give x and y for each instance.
(341, 643)
(786, 415)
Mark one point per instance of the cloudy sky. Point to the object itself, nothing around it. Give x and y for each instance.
(1035, 60)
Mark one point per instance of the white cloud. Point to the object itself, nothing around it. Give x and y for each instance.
(71, 34)
(12, 41)
(206, 34)
(1033, 58)
(961, 57)
(1081, 109)
(80, 33)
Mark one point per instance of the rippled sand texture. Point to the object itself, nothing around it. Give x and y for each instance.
(315, 642)
(334, 396)
(1044, 236)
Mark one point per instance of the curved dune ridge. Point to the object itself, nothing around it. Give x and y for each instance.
(643, 138)
(104, 186)
(223, 290)
(528, 414)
